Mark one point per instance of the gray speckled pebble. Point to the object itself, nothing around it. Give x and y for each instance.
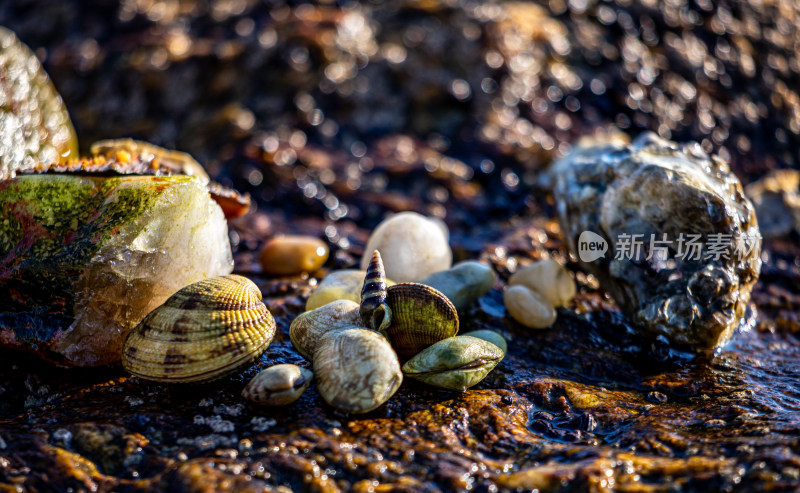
(464, 283)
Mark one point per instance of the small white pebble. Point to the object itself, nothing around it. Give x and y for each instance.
(412, 247)
(529, 308)
(234, 410)
(547, 278)
(62, 435)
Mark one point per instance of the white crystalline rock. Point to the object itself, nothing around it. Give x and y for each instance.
(411, 245)
(182, 239)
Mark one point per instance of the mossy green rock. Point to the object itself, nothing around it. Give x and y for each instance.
(84, 259)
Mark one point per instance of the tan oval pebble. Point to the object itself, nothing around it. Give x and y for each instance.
(290, 255)
(307, 329)
(278, 385)
(342, 284)
(528, 307)
(548, 278)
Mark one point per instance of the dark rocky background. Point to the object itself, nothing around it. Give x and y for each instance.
(332, 115)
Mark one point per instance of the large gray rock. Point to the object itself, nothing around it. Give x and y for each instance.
(654, 188)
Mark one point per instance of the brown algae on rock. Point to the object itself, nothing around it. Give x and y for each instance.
(659, 190)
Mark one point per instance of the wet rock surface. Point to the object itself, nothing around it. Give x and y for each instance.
(586, 404)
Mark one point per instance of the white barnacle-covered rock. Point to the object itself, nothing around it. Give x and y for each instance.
(666, 192)
(411, 245)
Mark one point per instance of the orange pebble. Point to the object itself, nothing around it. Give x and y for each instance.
(291, 255)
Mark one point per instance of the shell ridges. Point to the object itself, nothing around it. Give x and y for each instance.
(205, 331)
(421, 316)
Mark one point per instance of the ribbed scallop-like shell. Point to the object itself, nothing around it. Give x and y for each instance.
(456, 363)
(356, 369)
(278, 385)
(205, 331)
(307, 329)
(421, 316)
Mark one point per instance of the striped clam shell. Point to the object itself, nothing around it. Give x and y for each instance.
(205, 331)
(421, 316)
(375, 313)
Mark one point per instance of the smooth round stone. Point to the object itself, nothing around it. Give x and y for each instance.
(528, 307)
(343, 284)
(290, 255)
(411, 245)
(464, 283)
(490, 336)
(548, 278)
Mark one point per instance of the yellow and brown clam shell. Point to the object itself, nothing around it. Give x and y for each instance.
(421, 316)
(205, 331)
